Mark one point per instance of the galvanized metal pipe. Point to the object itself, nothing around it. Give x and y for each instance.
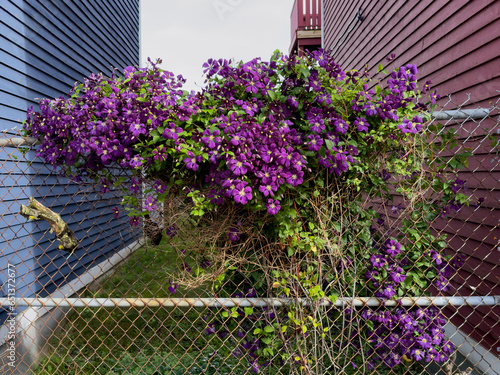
(245, 302)
(462, 114)
(18, 141)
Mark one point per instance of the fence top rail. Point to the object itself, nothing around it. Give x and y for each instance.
(246, 302)
(462, 114)
(18, 141)
(455, 114)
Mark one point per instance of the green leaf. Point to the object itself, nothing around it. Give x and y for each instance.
(272, 94)
(269, 329)
(369, 323)
(329, 144)
(333, 298)
(248, 311)
(268, 351)
(305, 72)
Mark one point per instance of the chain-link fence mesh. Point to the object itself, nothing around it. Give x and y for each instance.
(150, 299)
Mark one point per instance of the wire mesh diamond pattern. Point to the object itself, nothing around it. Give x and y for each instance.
(130, 301)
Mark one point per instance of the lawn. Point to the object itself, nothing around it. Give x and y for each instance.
(139, 340)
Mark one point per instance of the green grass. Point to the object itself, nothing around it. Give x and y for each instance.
(148, 340)
(142, 364)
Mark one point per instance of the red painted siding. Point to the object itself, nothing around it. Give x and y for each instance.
(445, 39)
(456, 44)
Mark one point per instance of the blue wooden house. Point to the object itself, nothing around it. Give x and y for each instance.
(45, 47)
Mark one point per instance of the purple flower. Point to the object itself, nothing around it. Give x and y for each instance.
(268, 189)
(273, 206)
(192, 161)
(447, 347)
(341, 126)
(386, 292)
(292, 102)
(135, 185)
(432, 355)
(479, 201)
(116, 212)
(391, 57)
(397, 275)
(239, 166)
(442, 357)
(149, 204)
(384, 175)
(295, 178)
(457, 185)
(171, 231)
(210, 330)
(417, 354)
(317, 125)
(437, 335)
(434, 97)
(136, 161)
(436, 257)
(159, 187)
(392, 248)
(172, 132)
(315, 142)
(370, 109)
(104, 186)
(410, 70)
(378, 261)
(426, 87)
(254, 366)
(408, 126)
(230, 186)
(424, 341)
(211, 139)
(134, 221)
(362, 124)
(235, 141)
(173, 287)
(396, 209)
(234, 234)
(242, 193)
(205, 263)
(136, 129)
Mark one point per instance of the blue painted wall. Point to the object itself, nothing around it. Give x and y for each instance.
(45, 47)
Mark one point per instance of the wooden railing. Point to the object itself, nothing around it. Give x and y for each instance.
(306, 15)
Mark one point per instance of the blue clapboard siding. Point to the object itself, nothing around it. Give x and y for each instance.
(45, 47)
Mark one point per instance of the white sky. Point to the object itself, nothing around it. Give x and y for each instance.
(186, 33)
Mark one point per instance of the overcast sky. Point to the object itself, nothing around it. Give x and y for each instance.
(186, 33)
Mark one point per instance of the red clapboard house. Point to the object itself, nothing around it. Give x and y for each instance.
(456, 45)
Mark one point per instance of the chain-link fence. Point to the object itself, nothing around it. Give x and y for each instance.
(149, 299)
